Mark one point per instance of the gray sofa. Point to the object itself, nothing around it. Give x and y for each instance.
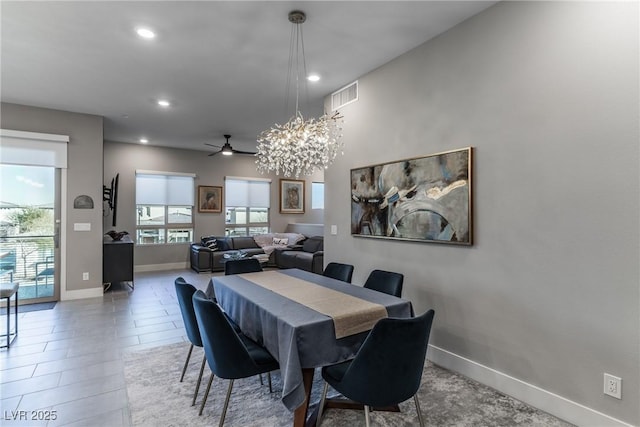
(205, 259)
(307, 256)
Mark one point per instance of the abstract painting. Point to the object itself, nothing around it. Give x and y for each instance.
(424, 199)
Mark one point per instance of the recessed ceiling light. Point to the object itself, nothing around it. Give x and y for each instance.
(143, 140)
(164, 103)
(313, 77)
(145, 33)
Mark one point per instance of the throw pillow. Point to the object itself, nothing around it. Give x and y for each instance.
(205, 239)
(280, 242)
(211, 243)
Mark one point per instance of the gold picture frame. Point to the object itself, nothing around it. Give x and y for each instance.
(291, 196)
(209, 199)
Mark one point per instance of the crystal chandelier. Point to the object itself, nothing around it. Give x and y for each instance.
(300, 146)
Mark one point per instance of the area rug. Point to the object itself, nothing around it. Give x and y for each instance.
(36, 307)
(157, 398)
(29, 307)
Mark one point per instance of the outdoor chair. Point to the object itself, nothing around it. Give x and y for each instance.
(44, 271)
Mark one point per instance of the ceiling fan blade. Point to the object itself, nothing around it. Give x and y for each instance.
(243, 152)
(213, 154)
(212, 145)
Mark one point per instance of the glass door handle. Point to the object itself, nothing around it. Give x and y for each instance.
(56, 235)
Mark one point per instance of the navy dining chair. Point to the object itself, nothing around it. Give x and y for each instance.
(387, 282)
(339, 271)
(229, 354)
(239, 266)
(184, 292)
(395, 351)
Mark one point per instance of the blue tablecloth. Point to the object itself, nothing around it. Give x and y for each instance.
(297, 336)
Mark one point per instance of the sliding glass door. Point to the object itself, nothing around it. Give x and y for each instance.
(29, 230)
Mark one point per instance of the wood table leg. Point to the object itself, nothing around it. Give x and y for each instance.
(300, 414)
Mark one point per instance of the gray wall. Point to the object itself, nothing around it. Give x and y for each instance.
(126, 158)
(84, 176)
(547, 93)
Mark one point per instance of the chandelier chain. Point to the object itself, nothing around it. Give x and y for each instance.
(299, 147)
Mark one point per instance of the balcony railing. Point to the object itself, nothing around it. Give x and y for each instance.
(31, 260)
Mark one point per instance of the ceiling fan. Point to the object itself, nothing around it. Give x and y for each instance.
(227, 149)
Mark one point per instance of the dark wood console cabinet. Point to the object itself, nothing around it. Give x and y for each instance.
(117, 262)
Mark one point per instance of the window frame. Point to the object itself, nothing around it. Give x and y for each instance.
(166, 226)
(163, 231)
(248, 225)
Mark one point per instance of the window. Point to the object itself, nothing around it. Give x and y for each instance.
(247, 206)
(164, 205)
(317, 195)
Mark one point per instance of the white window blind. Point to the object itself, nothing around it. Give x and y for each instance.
(33, 149)
(247, 192)
(164, 188)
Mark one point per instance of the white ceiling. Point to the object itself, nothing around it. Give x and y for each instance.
(223, 64)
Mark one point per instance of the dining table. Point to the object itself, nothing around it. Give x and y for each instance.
(305, 320)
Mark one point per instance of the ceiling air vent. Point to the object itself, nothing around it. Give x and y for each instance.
(344, 96)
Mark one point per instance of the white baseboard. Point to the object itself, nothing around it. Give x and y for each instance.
(81, 294)
(535, 396)
(160, 267)
(99, 292)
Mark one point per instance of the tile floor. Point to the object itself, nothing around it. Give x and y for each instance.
(66, 363)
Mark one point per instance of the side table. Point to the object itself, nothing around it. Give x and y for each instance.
(117, 262)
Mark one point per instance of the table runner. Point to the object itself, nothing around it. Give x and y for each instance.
(350, 315)
(296, 335)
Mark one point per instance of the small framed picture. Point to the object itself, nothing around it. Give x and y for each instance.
(291, 196)
(209, 199)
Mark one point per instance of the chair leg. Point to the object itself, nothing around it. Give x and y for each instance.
(420, 419)
(226, 403)
(206, 393)
(9, 321)
(11, 335)
(16, 315)
(322, 401)
(366, 416)
(186, 363)
(269, 378)
(195, 395)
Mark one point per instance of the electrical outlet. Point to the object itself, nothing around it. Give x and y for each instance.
(613, 386)
(85, 276)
